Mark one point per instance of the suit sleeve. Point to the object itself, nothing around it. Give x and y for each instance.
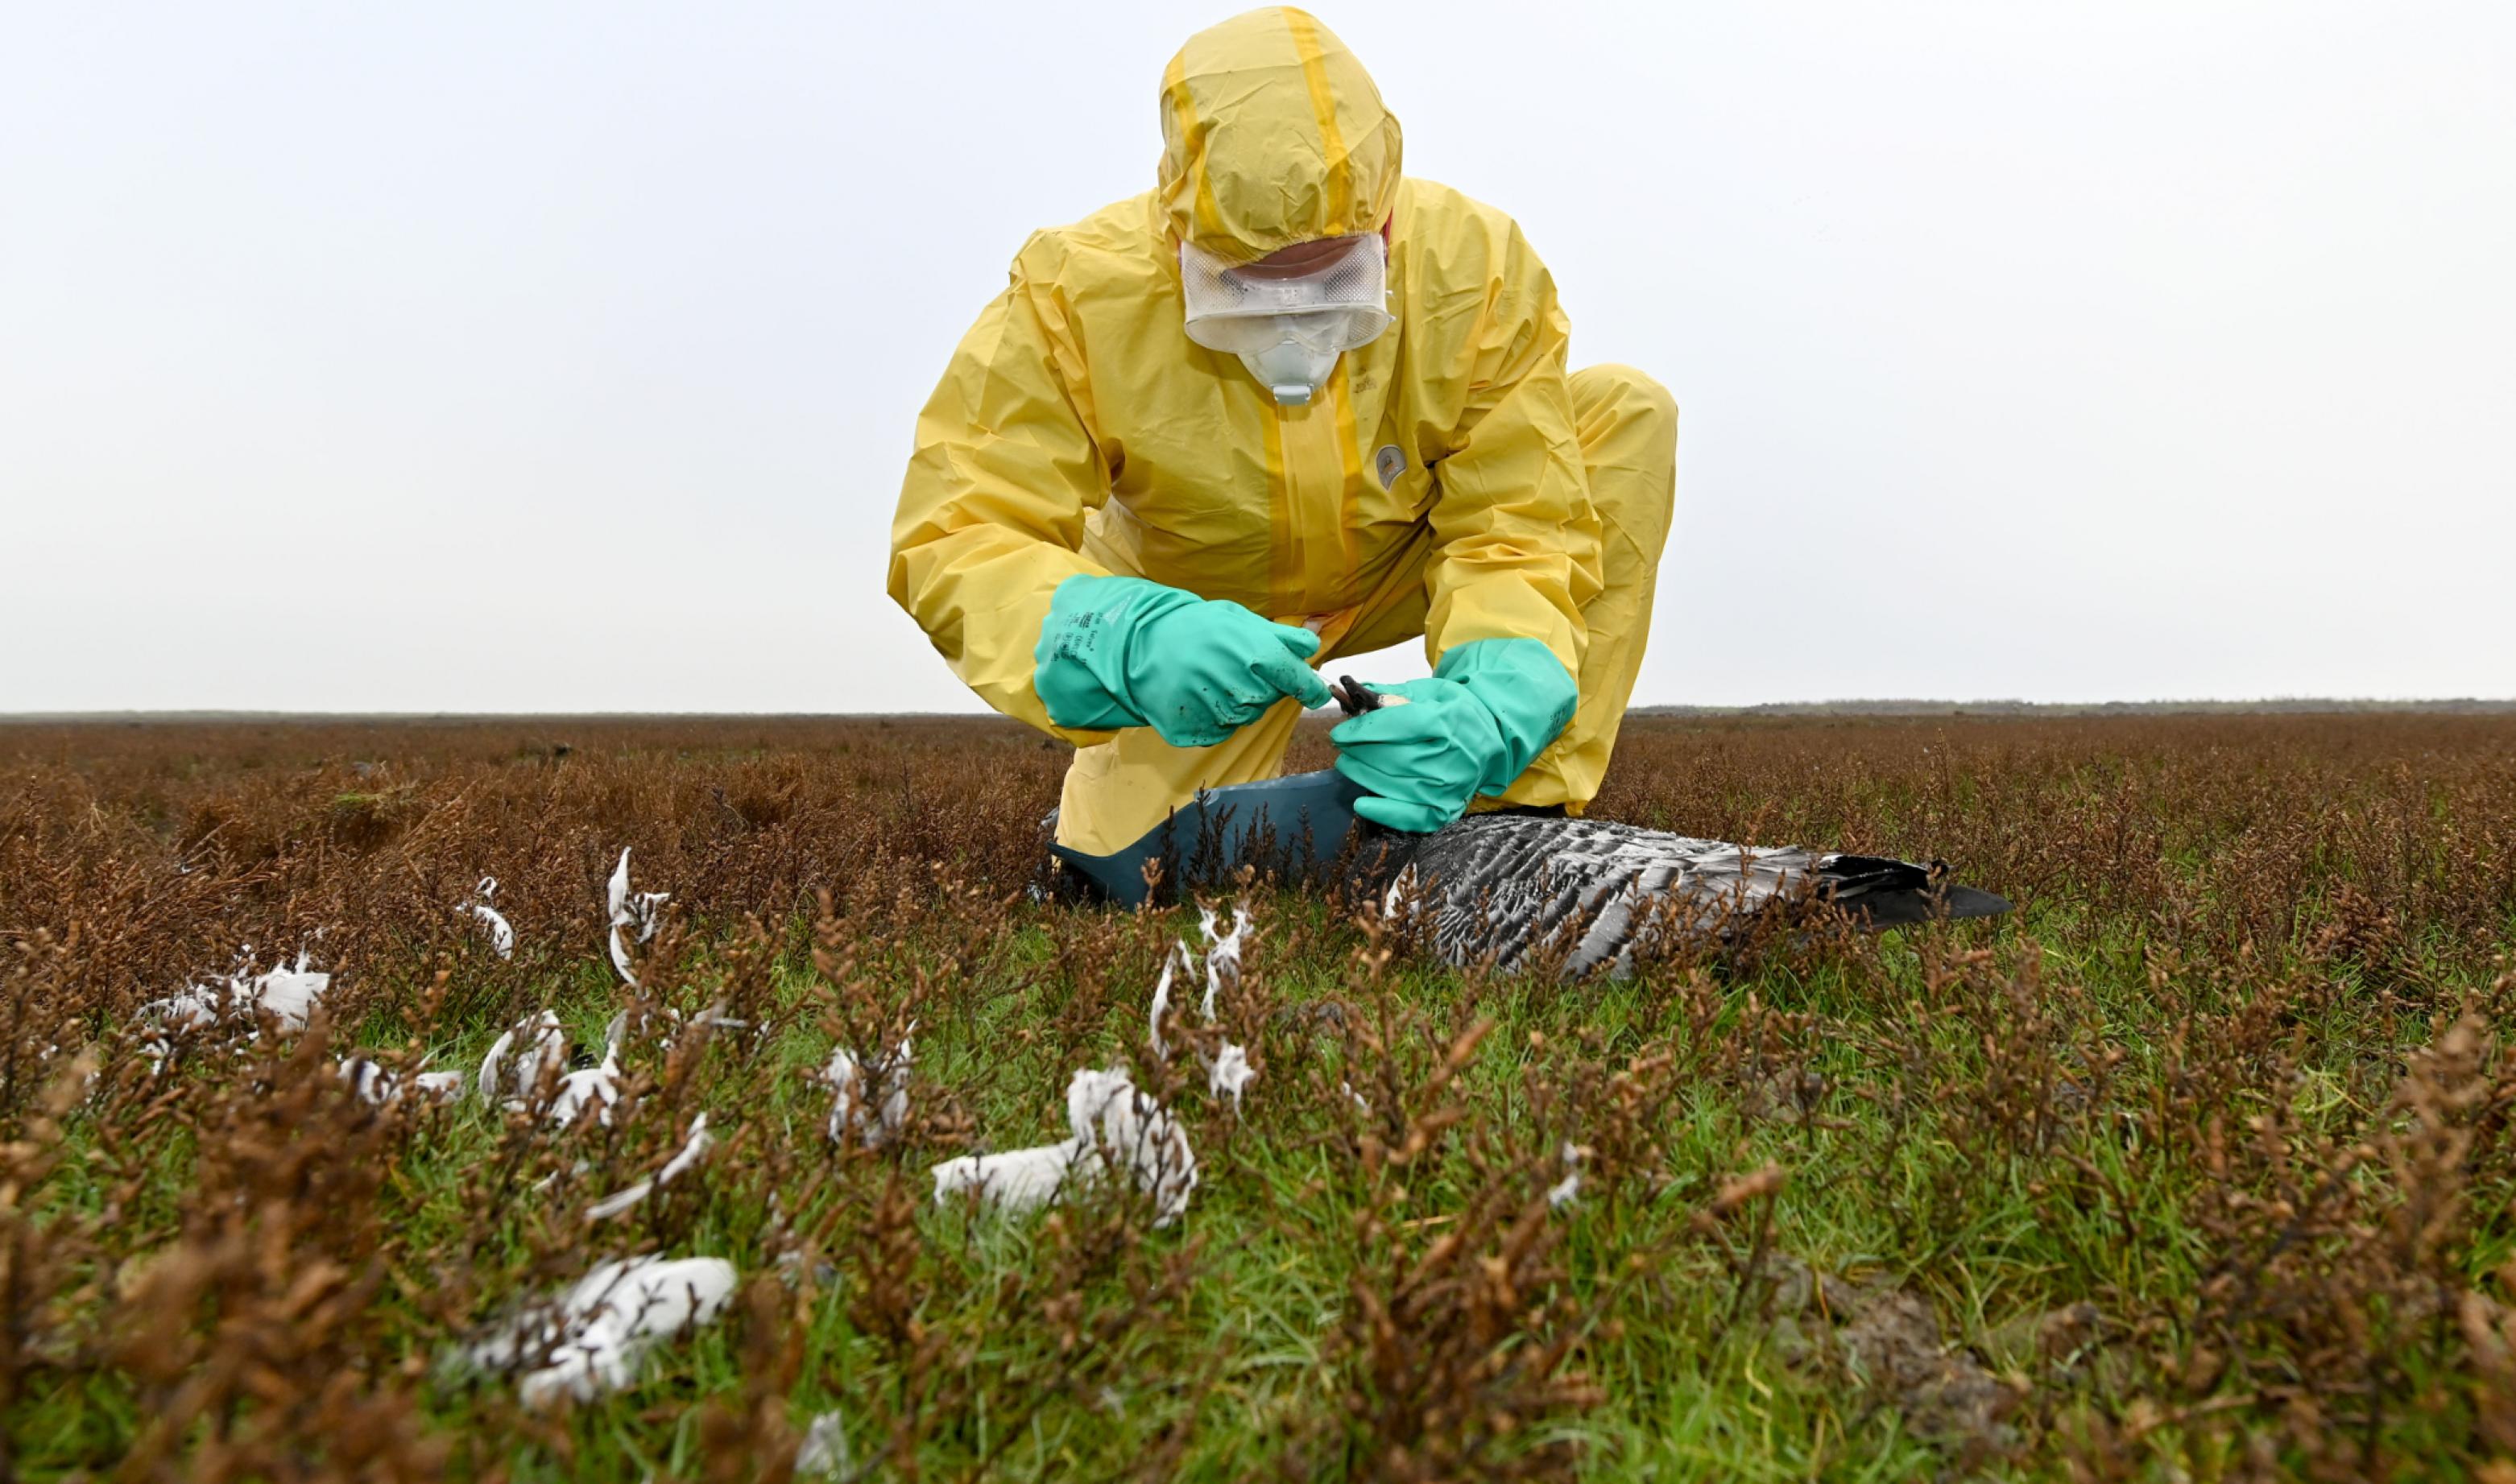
(992, 514)
(1516, 541)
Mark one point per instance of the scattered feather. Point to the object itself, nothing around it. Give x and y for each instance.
(1016, 1180)
(196, 1008)
(1114, 1123)
(847, 1082)
(1162, 1001)
(1564, 1189)
(1122, 1125)
(825, 1447)
(368, 1082)
(1222, 954)
(594, 1088)
(374, 1083)
(713, 1017)
(635, 911)
(286, 993)
(1229, 1074)
(692, 1149)
(502, 935)
(518, 1060)
(592, 1340)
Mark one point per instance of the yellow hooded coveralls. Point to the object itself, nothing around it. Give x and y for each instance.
(1450, 481)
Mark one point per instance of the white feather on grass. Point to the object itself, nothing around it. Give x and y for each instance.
(195, 1010)
(239, 1002)
(372, 1083)
(1115, 1124)
(1221, 953)
(502, 935)
(518, 1060)
(1124, 1125)
(636, 911)
(1171, 961)
(593, 1089)
(692, 1150)
(824, 1450)
(847, 1082)
(593, 1339)
(712, 1018)
(1563, 1192)
(286, 993)
(368, 1082)
(444, 1087)
(1229, 1074)
(1013, 1181)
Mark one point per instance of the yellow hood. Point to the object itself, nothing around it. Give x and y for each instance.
(1272, 133)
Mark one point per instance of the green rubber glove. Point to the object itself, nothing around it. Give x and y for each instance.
(1121, 651)
(1490, 709)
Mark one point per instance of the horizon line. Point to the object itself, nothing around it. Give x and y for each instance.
(1848, 706)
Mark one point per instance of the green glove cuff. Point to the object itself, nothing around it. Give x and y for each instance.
(1080, 663)
(1527, 689)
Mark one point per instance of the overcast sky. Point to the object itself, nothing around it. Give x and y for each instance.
(531, 358)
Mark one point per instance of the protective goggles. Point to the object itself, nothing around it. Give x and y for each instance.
(1331, 305)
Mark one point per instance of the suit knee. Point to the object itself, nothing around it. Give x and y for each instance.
(1625, 396)
(1628, 428)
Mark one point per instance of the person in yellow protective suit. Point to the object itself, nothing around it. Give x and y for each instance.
(1097, 493)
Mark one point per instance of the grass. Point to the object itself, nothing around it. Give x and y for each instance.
(2195, 1167)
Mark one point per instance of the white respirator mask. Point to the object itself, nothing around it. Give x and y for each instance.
(1288, 326)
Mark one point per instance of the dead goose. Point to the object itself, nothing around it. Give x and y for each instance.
(1513, 886)
(1510, 886)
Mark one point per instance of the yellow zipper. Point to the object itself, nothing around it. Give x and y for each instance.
(1315, 466)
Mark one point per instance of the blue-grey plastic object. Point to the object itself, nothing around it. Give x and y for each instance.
(1295, 827)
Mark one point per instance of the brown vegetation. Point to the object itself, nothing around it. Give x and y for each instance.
(2197, 1166)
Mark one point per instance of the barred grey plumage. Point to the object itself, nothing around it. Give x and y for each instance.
(1514, 889)
(1505, 888)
